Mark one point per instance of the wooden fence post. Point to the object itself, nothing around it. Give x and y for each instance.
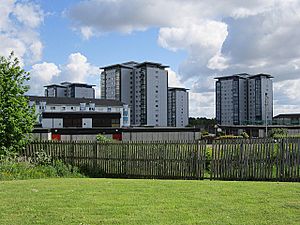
(95, 156)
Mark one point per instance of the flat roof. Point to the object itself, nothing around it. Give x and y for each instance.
(67, 84)
(55, 85)
(240, 75)
(119, 65)
(75, 101)
(287, 115)
(152, 64)
(261, 74)
(82, 85)
(177, 89)
(244, 76)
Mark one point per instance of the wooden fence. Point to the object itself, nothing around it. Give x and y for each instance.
(242, 159)
(256, 159)
(182, 160)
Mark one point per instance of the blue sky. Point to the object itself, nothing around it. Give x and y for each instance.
(59, 40)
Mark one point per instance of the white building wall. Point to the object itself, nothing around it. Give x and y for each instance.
(182, 114)
(87, 122)
(51, 123)
(131, 92)
(157, 94)
(226, 102)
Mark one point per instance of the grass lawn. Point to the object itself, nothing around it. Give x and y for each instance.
(124, 201)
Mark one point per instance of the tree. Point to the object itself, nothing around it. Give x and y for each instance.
(16, 117)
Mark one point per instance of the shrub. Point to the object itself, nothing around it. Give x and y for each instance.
(102, 138)
(42, 167)
(245, 135)
(278, 133)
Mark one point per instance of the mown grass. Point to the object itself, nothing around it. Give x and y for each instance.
(125, 201)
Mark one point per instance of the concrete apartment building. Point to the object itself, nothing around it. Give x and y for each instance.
(178, 105)
(142, 86)
(70, 90)
(62, 112)
(244, 99)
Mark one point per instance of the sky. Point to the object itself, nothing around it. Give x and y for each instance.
(63, 40)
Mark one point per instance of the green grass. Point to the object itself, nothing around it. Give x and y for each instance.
(124, 201)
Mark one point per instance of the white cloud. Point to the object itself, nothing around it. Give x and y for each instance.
(77, 69)
(44, 71)
(86, 32)
(202, 104)
(42, 74)
(174, 79)
(220, 37)
(29, 14)
(19, 23)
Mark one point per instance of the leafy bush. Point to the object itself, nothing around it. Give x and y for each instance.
(13, 168)
(204, 133)
(278, 133)
(245, 135)
(102, 138)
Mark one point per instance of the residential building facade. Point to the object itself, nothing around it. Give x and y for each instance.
(142, 86)
(70, 90)
(178, 107)
(62, 112)
(244, 99)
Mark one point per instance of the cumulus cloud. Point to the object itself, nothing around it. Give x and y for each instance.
(42, 74)
(174, 79)
(19, 22)
(221, 38)
(202, 104)
(76, 69)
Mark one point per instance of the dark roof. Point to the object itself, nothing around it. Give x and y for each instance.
(116, 66)
(126, 65)
(244, 76)
(75, 101)
(288, 115)
(177, 89)
(130, 62)
(82, 85)
(85, 114)
(260, 75)
(68, 84)
(159, 65)
(239, 75)
(55, 85)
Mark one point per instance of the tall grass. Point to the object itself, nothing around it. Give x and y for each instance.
(14, 167)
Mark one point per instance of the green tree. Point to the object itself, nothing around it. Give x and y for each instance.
(16, 117)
